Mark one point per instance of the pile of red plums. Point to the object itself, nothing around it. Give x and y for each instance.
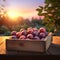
(30, 33)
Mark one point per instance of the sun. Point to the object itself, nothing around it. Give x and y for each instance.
(12, 14)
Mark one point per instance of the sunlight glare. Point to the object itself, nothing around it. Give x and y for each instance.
(12, 15)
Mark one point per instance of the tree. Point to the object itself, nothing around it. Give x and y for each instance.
(51, 11)
(36, 22)
(2, 11)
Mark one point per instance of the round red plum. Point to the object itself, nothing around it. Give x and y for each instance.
(13, 37)
(29, 30)
(30, 36)
(24, 32)
(13, 33)
(22, 37)
(42, 35)
(35, 33)
(36, 37)
(18, 34)
(42, 30)
(35, 29)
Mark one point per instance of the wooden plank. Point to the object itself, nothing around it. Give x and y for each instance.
(28, 45)
(48, 41)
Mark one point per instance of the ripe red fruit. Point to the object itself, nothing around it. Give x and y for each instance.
(30, 33)
(42, 30)
(35, 33)
(18, 34)
(46, 33)
(35, 29)
(13, 33)
(30, 36)
(24, 32)
(30, 30)
(22, 37)
(36, 37)
(13, 37)
(42, 35)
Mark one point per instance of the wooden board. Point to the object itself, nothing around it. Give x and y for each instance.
(29, 45)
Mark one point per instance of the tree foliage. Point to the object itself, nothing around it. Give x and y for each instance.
(51, 11)
(2, 11)
(36, 22)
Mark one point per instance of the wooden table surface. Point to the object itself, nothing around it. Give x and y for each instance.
(54, 49)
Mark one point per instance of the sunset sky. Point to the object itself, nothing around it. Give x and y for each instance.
(24, 8)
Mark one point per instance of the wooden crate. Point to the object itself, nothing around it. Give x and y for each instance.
(29, 45)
